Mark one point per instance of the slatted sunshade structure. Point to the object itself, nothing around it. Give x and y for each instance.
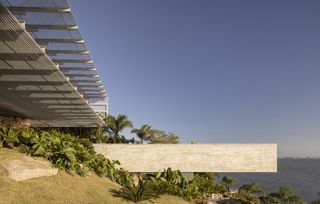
(46, 73)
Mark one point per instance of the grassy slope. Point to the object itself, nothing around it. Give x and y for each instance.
(63, 188)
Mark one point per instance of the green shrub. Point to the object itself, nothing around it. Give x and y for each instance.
(246, 197)
(142, 191)
(228, 182)
(159, 184)
(63, 150)
(8, 137)
(104, 167)
(122, 176)
(285, 195)
(270, 200)
(174, 183)
(100, 165)
(249, 193)
(204, 185)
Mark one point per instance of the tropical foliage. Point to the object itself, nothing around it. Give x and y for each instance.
(170, 182)
(76, 154)
(112, 132)
(154, 136)
(249, 193)
(164, 138)
(228, 182)
(63, 150)
(284, 196)
(137, 192)
(114, 126)
(145, 132)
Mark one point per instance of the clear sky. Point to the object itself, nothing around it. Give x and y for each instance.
(211, 71)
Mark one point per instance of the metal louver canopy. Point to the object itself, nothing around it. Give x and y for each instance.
(46, 73)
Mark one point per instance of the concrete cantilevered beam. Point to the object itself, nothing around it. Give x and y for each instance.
(193, 157)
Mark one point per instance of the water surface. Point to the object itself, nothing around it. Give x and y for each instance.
(302, 175)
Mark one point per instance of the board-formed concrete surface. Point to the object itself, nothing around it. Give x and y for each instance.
(193, 157)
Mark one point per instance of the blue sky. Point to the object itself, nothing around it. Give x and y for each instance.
(211, 71)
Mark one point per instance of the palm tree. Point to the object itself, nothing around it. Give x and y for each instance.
(164, 138)
(115, 125)
(145, 132)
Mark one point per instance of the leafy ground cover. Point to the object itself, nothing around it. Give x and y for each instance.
(64, 188)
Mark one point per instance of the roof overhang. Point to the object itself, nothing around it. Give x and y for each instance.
(33, 86)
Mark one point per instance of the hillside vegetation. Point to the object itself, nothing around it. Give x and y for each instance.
(76, 154)
(64, 188)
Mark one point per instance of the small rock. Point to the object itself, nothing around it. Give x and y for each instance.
(28, 168)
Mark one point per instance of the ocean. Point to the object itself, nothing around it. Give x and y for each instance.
(301, 175)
